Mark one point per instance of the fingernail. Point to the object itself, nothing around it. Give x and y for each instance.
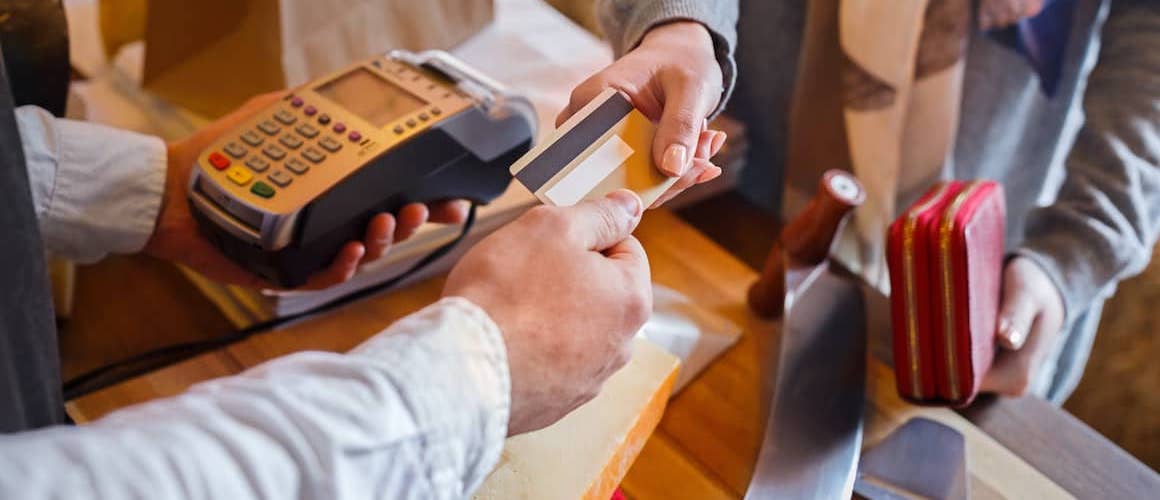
(718, 142)
(627, 200)
(676, 160)
(1013, 336)
(1017, 338)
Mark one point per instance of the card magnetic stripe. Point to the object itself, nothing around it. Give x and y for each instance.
(567, 148)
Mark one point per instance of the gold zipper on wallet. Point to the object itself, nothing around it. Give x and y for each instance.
(908, 284)
(946, 233)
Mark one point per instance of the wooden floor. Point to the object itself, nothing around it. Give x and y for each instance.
(127, 305)
(1119, 395)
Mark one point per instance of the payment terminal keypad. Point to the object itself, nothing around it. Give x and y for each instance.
(236, 150)
(239, 175)
(280, 178)
(252, 138)
(297, 166)
(307, 130)
(262, 189)
(257, 164)
(329, 144)
(290, 141)
(219, 161)
(269, 127)
(274, 152)
(285, 117)
(310, 141)
(313, 155)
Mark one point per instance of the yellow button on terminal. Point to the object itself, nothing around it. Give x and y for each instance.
(239, 175)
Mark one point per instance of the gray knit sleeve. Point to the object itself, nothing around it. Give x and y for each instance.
(625, 22)
(1103, 225)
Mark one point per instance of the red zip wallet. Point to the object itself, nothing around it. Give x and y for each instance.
(945, 255)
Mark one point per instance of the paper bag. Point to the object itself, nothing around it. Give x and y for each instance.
(209, 56)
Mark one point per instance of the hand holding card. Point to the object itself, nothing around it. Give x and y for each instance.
(604, 146)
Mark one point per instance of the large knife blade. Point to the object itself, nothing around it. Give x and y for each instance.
(813, 434)
(923, 458)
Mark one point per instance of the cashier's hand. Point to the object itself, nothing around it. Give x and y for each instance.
(176, 238)
(674, 79)
(568, 287)
(1030, 321)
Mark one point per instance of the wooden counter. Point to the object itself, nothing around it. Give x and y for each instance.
(708, 438)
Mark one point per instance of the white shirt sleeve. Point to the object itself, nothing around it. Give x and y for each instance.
(418, 411)
(97, 190)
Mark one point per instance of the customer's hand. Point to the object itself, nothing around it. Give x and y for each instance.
(176, 238)
(568, 288)
(1030, 320)
(673, 78)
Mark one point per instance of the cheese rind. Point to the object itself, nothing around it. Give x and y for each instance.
(588, 452)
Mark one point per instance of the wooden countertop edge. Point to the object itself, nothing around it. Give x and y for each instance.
(1075, 456)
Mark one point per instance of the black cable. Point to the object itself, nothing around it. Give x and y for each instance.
(125, 369)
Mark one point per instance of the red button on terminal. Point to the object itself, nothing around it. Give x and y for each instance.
(219, 161)
(310, 110)
(355, 136)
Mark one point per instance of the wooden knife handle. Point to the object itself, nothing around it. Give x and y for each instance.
(808, 237)
(806, 240)
(766, 296)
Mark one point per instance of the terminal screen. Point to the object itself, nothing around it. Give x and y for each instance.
(370, 96)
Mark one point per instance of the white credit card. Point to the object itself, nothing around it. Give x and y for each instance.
(605, 146)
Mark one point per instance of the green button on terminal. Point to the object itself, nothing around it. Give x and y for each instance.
(262, 189)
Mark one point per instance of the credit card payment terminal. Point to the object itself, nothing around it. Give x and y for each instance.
(282, 193)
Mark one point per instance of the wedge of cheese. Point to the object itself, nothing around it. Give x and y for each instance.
(587, 453)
